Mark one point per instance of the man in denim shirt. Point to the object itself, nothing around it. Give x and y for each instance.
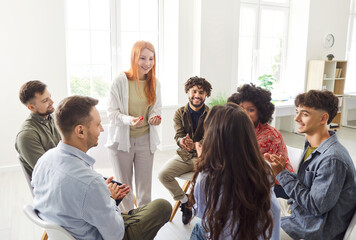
(68, 192)
(323, 192)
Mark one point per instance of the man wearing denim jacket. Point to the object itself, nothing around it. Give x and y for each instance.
(323, 192)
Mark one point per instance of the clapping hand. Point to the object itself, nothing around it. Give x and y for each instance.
(278, 163)
(117, 191)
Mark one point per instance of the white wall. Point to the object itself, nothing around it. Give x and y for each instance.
(32, 46)
(168, 65)
(208, 43)
(327, 16)
(186, 32)
(219, 44)
(297, 46)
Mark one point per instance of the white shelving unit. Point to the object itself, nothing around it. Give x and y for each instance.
(329, 75)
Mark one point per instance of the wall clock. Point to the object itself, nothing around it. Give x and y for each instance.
(329, 40)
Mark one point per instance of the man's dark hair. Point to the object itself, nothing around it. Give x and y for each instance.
(73, 111)
(197, 81)
(319, 100)
(29, 89)
(260, 97)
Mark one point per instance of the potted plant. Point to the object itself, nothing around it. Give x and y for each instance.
(266, 81)
(220, 99)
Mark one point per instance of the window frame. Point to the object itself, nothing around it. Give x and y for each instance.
(115, 32)
(350, 40)
(259, 6)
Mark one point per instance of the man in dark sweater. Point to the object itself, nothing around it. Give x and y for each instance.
(38, 133)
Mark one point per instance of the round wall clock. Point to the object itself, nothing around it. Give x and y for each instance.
(329, 40)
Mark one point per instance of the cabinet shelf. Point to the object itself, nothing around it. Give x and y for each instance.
(332, 79)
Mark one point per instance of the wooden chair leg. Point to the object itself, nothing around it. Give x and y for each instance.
(44, 236)
(186, 186)
(176, 206)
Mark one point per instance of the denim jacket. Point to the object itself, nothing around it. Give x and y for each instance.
(322, 193)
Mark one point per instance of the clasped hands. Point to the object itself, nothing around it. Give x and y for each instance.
(117, 192)
(138, 121)
(186, 143)
(278, 163)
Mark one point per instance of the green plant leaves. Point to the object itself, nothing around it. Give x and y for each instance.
(266, 81)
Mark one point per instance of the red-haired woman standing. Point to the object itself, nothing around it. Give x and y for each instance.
(134, 111)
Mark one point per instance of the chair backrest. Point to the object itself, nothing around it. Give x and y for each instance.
(54, 231)
(294, 155)
(350, 227)
(27, 177)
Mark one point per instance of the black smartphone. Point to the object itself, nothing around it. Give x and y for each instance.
(118, 201)
(113, 181)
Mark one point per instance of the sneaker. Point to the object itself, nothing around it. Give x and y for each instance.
(186, 213)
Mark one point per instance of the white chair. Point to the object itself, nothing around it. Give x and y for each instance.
(188, 177)
(27, 177)
(294, 155)
(54, 231)
(350, 228)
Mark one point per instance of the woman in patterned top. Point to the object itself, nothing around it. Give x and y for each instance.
(257, 103)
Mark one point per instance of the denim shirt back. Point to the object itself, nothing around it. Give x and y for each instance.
(322, 193)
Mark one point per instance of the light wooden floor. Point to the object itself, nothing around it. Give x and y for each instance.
(15, 194)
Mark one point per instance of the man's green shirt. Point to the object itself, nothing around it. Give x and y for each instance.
(37, 135)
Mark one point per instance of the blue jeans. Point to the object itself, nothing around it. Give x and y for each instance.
(198, 232)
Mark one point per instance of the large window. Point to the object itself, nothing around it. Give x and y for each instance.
(350, 84)
(101, 34)
(262, 39)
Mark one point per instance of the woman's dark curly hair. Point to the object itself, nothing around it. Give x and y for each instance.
(319, 100)
(260, 97)
(197, 81)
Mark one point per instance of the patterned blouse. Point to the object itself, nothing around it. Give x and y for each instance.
(271, 141)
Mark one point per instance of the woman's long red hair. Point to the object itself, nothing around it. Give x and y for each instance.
(132, 73)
